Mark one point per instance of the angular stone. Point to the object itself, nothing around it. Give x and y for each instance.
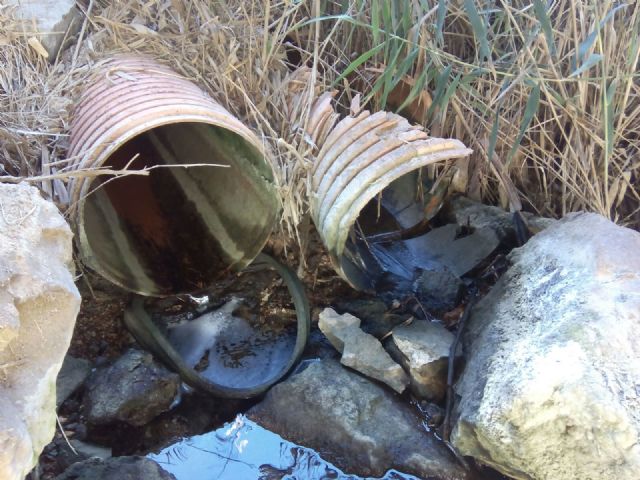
(89, 450)
(361, 351)
(438, 289)
(464, 211)
(551, 389)
(373, 313)
(134, 390)
(422, 348)
(73, 373)
(65, 457)
(38, 307)
(336, 327)
(121, 468)
(54, 20)
(359, 426)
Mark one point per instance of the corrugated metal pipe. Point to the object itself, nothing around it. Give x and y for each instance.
(177, 229)
(357, 159)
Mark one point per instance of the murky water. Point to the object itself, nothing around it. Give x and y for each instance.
(243, 450)
(230, 351)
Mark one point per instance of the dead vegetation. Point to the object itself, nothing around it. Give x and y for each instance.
(547, 94)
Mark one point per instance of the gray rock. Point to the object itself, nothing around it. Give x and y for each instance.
(551, 390)
(373, 313)
(120, 468)
(89, 450)
(54, 19)
(537, 224)
(438, 289)
(434, 413)
(361, 351)
(73, 373)
(357, 425)
(65, 457)
(38, 307)
(336, 327)
(465, 211)
(422, 348)
(134, 390)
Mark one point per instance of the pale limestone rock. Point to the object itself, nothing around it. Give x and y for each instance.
(38, 306)
(551, 390)
(52, 18)
(361, 351)
(422, 348)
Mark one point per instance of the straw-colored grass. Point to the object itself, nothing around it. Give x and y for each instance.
(235, 51)
(546, 93)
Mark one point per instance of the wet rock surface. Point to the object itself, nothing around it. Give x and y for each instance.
(440, 289)
(38, 307)
(72, 375)
(361, 351)
(550, 390)
(134, 390)
(422, 348)
(231, 350)
(120, 468)
(242, 449)
(359, 426)
(87, 450)
(60, 453)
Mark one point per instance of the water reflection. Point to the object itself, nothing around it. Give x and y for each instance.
(243, 450)
(229, 350)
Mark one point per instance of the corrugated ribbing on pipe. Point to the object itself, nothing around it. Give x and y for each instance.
(357, 159)
(177, 229)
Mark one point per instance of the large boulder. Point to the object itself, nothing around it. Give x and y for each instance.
(38, 307)
(551, 390)
(359, 426)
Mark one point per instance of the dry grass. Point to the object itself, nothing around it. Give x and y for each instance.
(498, 78)
(546, 93)
(235, 51)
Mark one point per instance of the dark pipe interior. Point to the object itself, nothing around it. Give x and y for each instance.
(178, 229)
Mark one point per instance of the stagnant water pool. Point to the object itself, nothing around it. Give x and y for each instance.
(243, 450)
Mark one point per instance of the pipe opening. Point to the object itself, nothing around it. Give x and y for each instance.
(179, 229)
(389, 236)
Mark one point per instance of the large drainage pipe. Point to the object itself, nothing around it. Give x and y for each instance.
(206, 207)
(177, 229)
(358, 158)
